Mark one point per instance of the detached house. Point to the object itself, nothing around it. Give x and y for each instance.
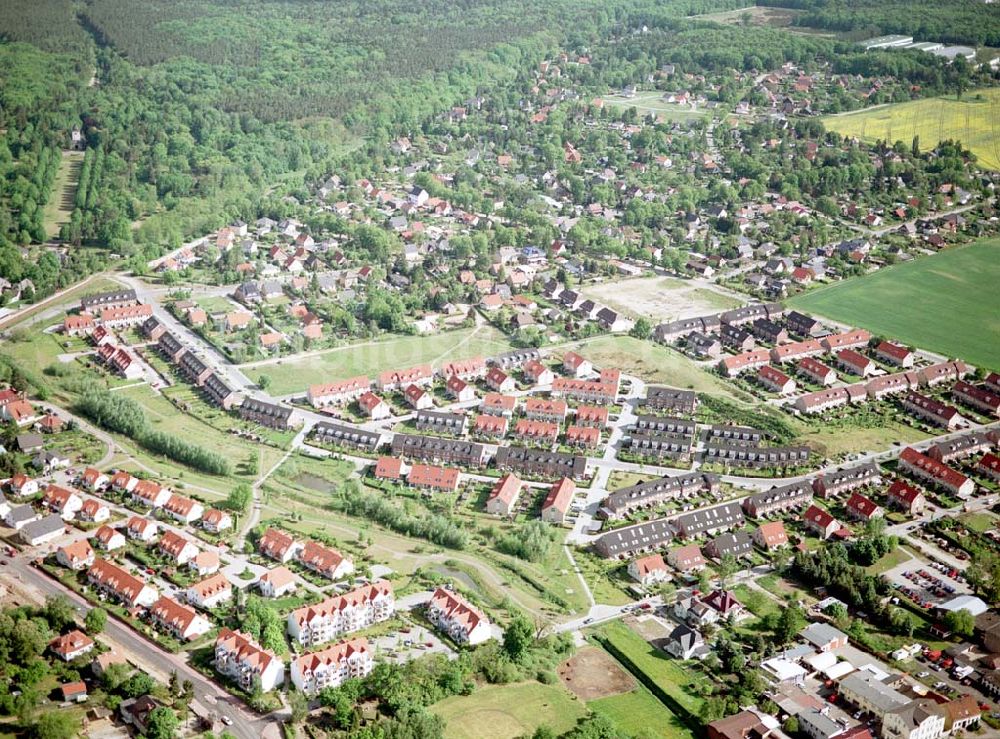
(906, 497)
(326, 561)
(862, 508)
(76, 556)
(109, 539)
(648, 570)
(820, 522)
(503, 497)
(278, 545)
(183, 509)
(210, 592)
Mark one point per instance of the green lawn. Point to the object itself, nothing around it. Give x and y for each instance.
(61, 201)
(676, 679)
(978, 522)
(653, 102)
(640, 714)
(894, 558)
(942, 303)
(508, 711)
(652, 362)
(293, 375)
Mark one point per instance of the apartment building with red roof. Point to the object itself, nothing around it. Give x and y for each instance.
(775, 380)
(541, 409)
(433, 478)
(493, 427)
(496, 404)
(458, 618)
(338, 393)
(558, 500)
(330, 667)
(420, 375)
(325, 560)
(895, 354)
(816, 371)
(586, 437)
(751, 360)
(209, 593)
(504, 495)
(242, 660)
(862, 508)
(342, 614)
(180, 621)
(906, 497)
(930, 470)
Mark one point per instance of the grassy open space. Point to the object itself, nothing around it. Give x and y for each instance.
(508, 711)
(974, 120)
(640, 714)
(654, 363)
(653, 102)
(940, 303)
(893, 559)
(60, 206)
(660, 298)
(672, 676)
(837, 440)
(296, 374)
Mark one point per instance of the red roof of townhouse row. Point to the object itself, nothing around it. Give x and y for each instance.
(541, 405)
(932, 467)
(854, 359)
(496, 401)
(464, 367)
(357, 597)
(173, 614)
(989, 463)
(342, 386)
(243, 648)
(274, 543)
(457, 608)
(126, 312)
(113, 577)
(746, 359)
(588, 435)
(773, 375)
(597, 414)
(426, 475)
(78, 323)
(406, 376)
(332, 655)
(389, 468)
(369, 401)
(813, 366)
(536, 429)
(796, 349)
(895, 351)
(506, 489)
(320, 557)
(560, 495)
(486, 424)
(848, 339)
(599, 387)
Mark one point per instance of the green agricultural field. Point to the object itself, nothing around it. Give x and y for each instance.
(639, 713)
(296, 374)
(945, 303)
(508, 711)
(974, 120)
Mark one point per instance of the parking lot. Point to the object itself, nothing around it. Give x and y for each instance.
(409, 643)
(927, 586)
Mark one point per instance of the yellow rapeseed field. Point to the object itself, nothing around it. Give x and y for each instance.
(974, 120)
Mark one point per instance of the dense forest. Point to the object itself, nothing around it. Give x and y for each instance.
(971, 22)
(193, 114)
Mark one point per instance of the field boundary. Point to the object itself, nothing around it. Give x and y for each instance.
(685, 716)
